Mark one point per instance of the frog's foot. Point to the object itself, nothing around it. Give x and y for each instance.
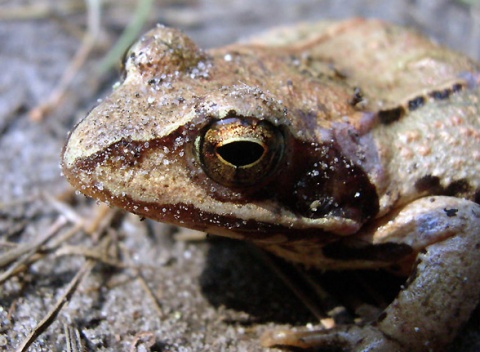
(340, 338)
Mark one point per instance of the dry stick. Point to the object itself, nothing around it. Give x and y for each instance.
(21, 264)
(147, 336)
(313, 308)
(142, 11)
(156, 303)
(103, 216)
(328, 312)
(39, 10)
(26, 254)
(102, 220)
(88, 43)
(72, 339)
(17, 266)
(141, 279)
(64, 209)
(84, 270)
(62, 238)
(52, 314)
(29, 252)
(13, 254)
(97, 254)
(330, 304)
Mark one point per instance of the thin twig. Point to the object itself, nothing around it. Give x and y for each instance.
(156, 302)
(39, 10)
(312, 307)
(187, 235)
(147, 336)
(88, 43)
(95, 253)
(53, 313)
(60, 239)
(102, 220)
(72, 339)
(14, 253)
(64, 209)
(18, 266)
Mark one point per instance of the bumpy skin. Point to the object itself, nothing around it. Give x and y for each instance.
(360, 150)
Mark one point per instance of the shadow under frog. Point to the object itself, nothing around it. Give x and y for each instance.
(239, 276)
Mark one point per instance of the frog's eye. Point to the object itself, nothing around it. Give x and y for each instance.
(240, 152)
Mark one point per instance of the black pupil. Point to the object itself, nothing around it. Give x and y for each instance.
(240, 153)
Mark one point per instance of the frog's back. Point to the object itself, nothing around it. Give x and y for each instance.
(391, 64)
(425, 98)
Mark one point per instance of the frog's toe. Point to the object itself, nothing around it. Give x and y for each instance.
(341, 338)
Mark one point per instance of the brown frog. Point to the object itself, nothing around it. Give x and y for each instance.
(338, 145)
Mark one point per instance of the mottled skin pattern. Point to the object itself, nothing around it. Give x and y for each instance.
(348, 145)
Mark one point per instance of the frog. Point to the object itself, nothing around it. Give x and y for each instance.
(337, 145)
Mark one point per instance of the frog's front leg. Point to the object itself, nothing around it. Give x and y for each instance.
(439, 295)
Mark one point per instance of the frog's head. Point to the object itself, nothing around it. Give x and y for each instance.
(183, 140)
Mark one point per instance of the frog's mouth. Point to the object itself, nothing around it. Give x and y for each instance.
(221, 223)
(229, 225)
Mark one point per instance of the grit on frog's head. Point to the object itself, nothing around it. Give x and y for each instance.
(221, 141)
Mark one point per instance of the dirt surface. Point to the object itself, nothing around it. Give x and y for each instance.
(149, 289)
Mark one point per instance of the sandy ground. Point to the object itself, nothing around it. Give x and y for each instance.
(157, 292)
